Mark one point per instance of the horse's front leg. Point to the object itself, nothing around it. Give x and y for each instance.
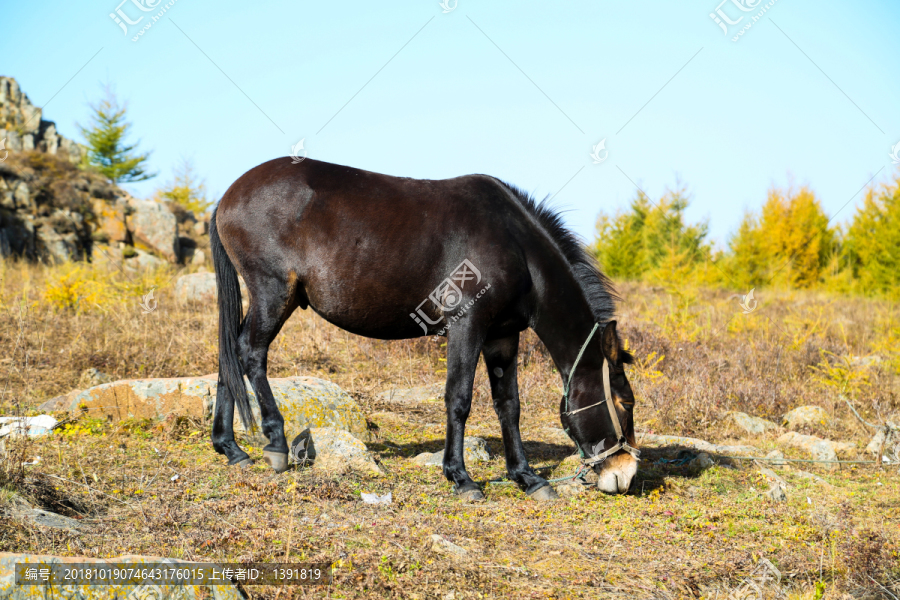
(500, 359)
(463, 345)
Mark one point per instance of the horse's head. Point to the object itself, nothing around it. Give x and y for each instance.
(589, 419)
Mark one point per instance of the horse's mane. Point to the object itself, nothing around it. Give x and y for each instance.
(597, 288)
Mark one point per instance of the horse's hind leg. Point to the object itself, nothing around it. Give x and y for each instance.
(500, 359)
(271, 305)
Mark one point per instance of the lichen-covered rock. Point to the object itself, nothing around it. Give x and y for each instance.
(475, 450)
(10, 591)
(751, 424)
(154, 225)
(303, 401)
(806, 416)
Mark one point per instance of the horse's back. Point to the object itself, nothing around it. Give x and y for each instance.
(367, 248)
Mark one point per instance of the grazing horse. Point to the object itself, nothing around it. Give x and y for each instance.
(470, 258)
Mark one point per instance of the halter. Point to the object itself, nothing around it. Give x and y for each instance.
(621, 442)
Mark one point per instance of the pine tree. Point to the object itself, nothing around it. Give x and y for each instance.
(872, 244)
(105, 137)
(186, 189)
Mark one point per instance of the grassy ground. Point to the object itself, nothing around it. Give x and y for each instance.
(678, 533)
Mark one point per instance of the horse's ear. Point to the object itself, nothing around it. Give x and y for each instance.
(609, 343)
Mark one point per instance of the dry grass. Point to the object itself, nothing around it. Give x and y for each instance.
(676, 534)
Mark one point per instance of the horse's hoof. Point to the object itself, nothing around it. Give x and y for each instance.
(544, 494)
(243, 464)
(471, 496)
(276, 460)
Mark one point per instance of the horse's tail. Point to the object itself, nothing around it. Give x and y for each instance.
(231, 374)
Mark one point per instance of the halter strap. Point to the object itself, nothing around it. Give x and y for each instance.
(621, 442)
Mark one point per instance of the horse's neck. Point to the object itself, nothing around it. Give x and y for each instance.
(564, 322)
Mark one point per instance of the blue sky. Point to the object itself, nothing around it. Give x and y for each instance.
(809, 94)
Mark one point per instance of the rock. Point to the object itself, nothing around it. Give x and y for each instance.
(30, 426)
(776, 493)
(376, 499)
(567, 489)
(442, 545)
(422, 393)
(200, 228)
(10, 591)
(806, 416)
(334, 451)
(196, 287)
(475, 450)
(701, 462)
(815, 478)
(775, 455)
(59, 402)
(200, 287)
(876, 443)
(750, 424)
(111, 221)
(25, 513)
(198, 258)
(650, 439)
(772, 476)
(303, 401)
(816, 447)
(153, 225)
(142, 261)
(91, 377)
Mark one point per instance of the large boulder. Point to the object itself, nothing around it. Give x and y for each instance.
(153, 225)
(303, 401)
(805, 416)
(9, 590)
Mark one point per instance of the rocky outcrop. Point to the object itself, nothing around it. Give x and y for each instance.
(304, 402)
(26, 130)
(53, 210)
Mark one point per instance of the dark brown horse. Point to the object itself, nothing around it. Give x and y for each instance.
(470, 258)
